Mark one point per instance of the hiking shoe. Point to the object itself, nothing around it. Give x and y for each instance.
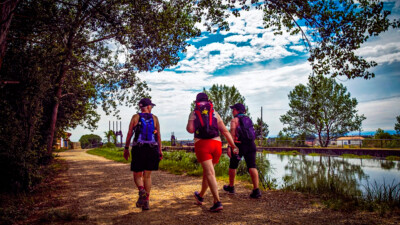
(141, 199)
(145, 205)
(216, 207)
(255, 193)
(199, 199)
(229, 189)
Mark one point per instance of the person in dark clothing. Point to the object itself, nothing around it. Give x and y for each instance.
(247, 149)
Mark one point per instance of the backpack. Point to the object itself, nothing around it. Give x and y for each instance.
(145, 130)
(205, 123)
(245, 130)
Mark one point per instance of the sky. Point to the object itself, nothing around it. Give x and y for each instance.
(264, 68)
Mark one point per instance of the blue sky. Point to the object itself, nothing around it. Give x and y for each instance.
(264, 68)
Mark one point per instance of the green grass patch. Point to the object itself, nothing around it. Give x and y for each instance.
(356, 156)
(115, 154)
(293, 152)
(393, 158)
(315, 154)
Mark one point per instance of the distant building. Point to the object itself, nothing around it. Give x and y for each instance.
(63, 143)
(349, 141)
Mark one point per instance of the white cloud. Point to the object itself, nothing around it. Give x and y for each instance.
(380, 114)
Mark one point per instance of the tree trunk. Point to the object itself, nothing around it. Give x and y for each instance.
(55, 111)
(7, 12)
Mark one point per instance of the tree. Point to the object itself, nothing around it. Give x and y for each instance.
(110, 135)
(87, 38)
(332, 30)
(90, 140)
(65, 54)
(381, 134)
(397, 125)
(7, 9)
(261, 129)
(222, 97)
(322, 107)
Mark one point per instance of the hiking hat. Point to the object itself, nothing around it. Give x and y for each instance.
(239, 107)
(201, 97)
(145, 102)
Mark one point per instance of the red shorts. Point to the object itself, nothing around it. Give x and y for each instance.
(208, 149)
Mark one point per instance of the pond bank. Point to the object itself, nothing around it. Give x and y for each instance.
(378, 153)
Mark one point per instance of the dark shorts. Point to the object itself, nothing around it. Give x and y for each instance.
(145, 157)
(248, 150)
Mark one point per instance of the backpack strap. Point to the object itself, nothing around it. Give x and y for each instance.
(210, 115)
(197, 111)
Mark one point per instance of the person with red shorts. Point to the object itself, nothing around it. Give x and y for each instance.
(205, 123)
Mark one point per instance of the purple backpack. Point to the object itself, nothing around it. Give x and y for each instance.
(245, 129)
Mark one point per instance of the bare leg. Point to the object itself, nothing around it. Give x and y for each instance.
(204, 185)
(138, 178)
(254, 177)
(147, 181)
(209, 173)
(232, 174)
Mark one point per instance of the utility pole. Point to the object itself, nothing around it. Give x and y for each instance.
(261, 128)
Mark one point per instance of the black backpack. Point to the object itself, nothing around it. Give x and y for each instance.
(245, 130)
(206, 125)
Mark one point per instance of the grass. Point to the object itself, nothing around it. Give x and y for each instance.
(293, 152)
(356, 156)
(393, 158)
(115, 154)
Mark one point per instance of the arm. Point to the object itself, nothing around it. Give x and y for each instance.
(224, 131)
(190, 125)
(158, 136)
(133, 123)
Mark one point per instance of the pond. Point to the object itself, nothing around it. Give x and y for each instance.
(322, 171)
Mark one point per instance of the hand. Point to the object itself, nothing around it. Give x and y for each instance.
(236, 150)
(228, 152)
(126, 154)
(161, 155)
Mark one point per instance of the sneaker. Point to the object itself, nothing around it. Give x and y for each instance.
(145, 205)
(141, 199)
(199, 199)
(229, 189)
(255, 193)
(216, 207)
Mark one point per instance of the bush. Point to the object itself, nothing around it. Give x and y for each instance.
(90, 140)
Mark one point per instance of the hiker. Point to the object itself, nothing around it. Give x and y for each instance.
(146, 149)
(242, 131)
(205, 123)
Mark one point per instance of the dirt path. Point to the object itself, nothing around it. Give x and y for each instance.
(104, 192)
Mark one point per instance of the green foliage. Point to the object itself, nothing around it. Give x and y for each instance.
(111, 136)
(397, 125)
(323, 107)
(109, 145)
(381, 134)
(392, 157)
(332, 30)
(261, 129)
(90, 140)
(352, 156)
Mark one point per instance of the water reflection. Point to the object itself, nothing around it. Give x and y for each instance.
(327, 174)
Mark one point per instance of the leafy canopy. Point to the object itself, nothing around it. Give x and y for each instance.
(331, 29)
(323, 107)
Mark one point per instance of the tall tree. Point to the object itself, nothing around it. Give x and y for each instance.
(397, 125)
(7, 9)
(323, 107)
(222, 97)
(87, 39)
(332, 30)
(261, 129)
